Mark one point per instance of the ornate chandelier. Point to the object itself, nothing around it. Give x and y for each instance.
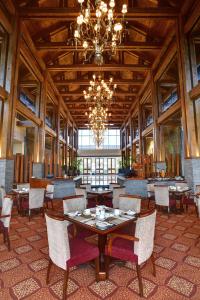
(97, 29)
(99, 91)
(97, 120)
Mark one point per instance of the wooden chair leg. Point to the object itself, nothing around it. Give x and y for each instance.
(48, 270)
(139, 279)
(196, 209)
(66, 276)
(7, 238)
(97, 268)
(153, 264)
(107, 263)
(51, 203)
(29, 215)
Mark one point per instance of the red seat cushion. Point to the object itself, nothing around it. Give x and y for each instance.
(172, 202)
(25, 204)
(123, 249)
(188, 200)
(81, 252)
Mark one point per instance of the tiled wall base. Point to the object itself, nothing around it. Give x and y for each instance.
(6, 173)
(38, 170)
(192, 171)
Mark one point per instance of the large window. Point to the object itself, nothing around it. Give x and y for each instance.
(111, 139)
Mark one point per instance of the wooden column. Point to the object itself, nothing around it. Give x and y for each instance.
(10, 103)
(157, 156)
(39, 150)
(191, 145)
(140, 130)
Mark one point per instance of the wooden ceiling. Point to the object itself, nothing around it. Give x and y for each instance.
(149, 24)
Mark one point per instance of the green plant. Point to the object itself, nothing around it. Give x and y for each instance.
(76, 164)
(126, 161)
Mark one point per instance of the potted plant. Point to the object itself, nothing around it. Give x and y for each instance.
(64, 169)
(76, 166)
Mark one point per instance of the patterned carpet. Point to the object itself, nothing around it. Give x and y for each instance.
(177, 253)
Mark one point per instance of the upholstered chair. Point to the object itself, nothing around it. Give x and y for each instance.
(130, 202)
(162, 197)
(2, 195)
(49, 195)
(136, 249)
(81, 191)
(66, 253)
(150, 193)
(71, 204)
(35, 200)
(5, 217)
(117, 191)
(197, 199)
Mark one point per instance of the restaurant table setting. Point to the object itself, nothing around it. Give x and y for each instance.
(102, 217)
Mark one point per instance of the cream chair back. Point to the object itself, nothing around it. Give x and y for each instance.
(150, 189)
(59, 250)
(74, 203)
(36, 198)
(161, 195)
(2, 195)
(130, 202)
(49, 190)
(116, 193)
(145, 231)
(7, 204)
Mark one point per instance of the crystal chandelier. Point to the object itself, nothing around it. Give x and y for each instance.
(97, 120)
(99, 91)
(98, 29)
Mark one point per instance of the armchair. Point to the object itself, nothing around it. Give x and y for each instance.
(5, 219)
(136, 249)
(66, 253)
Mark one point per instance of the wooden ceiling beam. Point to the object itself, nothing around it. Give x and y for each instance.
(32, 13)
(78, 102)
(62, 46)
(93, 67)
(86, 82)
(80, 93)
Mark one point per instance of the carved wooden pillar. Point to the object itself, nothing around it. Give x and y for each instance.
(188, 112)
(157, 155)
(140, 131)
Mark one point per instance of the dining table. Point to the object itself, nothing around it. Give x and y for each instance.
(179, 193)
(111, 223)
(20, 194)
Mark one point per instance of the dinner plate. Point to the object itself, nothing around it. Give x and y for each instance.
(130, 212)
(101, 225)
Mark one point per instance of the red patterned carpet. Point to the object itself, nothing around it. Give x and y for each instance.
(177, 253)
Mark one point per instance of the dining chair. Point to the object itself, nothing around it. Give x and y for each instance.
(35, 200)
(48, 197)
(130, 202)
(2, 195)
(81, 191)
(117, 191)
(191, 199)
(5, 217)
(136, 249)
(197, 199)
(162, 198)
(74, 203)
(71, 204)
(150, 193)
(66, 253)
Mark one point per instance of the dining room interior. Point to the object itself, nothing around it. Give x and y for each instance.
(100, 149)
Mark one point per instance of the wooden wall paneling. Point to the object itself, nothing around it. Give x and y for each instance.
(140, 131)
